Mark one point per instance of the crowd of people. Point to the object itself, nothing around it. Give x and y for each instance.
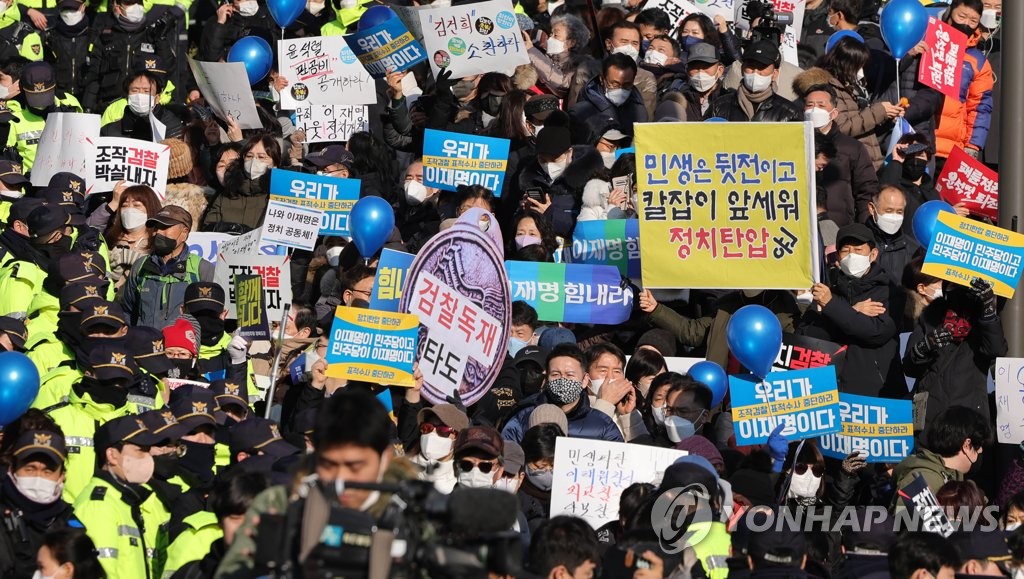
(155, 448)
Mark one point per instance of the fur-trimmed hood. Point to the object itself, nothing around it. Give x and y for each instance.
(189, 197)
(813, 77)
(585, 164)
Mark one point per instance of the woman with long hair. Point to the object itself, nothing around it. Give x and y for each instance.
(123, 222)
(241, 206)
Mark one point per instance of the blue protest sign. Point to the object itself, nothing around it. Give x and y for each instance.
(806, 402)
(453, 159)
(373, 346)
(332, 195)
(608, 242)
(963, 249)
(571, 292)
(297, 369)
(391, 273)
(387, 47)
(881, 429)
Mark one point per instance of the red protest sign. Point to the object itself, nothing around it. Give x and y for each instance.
(940, 64)
(966, 180)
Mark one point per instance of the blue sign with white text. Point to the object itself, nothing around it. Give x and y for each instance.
(608, 242)
(880, 429)
(805, 402)
(332, 195)
(453, 159)
(391, 273)
(387, 47)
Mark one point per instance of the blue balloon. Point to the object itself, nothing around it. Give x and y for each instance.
(370, 223)
(285, 11)
(374, 16)
(755, 337)
(713, 376)
(255, 54)
(925, 218)
(19, 385)
(903, 24)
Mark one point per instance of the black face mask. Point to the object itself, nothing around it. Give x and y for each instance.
(914, 168)
(163, 245)
(57, 248)
(211, 329)
(165, 466)
(198, 461)
(965, 28)
(492, 104)
(183, 369)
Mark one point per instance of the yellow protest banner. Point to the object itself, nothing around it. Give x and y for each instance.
(726, 205)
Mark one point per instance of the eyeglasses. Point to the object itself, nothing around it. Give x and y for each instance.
(367, 293)
(442, 429)
(467, 465)
(801, 468)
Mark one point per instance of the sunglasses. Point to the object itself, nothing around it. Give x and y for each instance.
(442, 430)
(467, 465)
(801, 468)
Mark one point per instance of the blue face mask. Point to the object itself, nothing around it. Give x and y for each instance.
(514, 345)
(689, 41)
(644, 44)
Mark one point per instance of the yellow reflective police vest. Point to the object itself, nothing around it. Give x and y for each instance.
(28, 128)
(194, 542)
(117, 530)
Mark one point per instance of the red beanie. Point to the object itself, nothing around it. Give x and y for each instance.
(181, 334)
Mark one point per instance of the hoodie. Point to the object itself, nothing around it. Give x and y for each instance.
(927, 464)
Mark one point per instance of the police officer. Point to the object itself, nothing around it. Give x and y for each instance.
(49, 237)
(68, 45)
(136, 122)
(221, 356)
(37, 98)
(12, 186)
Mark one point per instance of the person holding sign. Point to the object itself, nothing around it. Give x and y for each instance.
(242, 205)
(908, 171)
(144, 111)
(234, 20)
(565, 65)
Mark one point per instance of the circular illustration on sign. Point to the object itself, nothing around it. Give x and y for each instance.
(457, 46)
(441, 59)
(300, 92)
(347, 56)
(505, 19)
(484, 25)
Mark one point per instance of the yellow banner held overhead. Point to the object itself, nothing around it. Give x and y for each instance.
(726, 205)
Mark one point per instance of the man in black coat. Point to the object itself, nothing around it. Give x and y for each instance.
(895, 248)
(144, 90)
(756, 99)
(908, 172)
(234, 20)
(854, 309)
(611, 95)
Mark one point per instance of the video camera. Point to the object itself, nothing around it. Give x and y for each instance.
(771, 25)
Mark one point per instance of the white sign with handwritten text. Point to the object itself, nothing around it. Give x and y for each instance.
(225, 87)
(1010, 400)
(322, 70)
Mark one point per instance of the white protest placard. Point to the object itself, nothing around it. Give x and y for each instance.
(711, 8)
(473, 38)
(326, 123)
(291, 225)
(1010, 400)
(132, 161)
(159, 129)
(322, 70)
(66, 145)
(208, 245)
(591, 474)
(225, 87)
(277, 280)
(677, 10)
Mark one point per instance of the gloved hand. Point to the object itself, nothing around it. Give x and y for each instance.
(854, 463)
(934, 341)
(982, 291)
(973, 153)
(443, 85)
(238, 350)
(778, 448)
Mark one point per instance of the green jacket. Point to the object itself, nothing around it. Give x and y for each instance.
(55, 386)
(714, 548)
(20, 281)
(927, 464)
(112, 513)
(194, 542)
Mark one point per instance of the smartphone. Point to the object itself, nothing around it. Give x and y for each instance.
(536, 194)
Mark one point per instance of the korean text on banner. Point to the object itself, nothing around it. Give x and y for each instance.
(225, 88)
(66, 145)
(590, 475)
(332, 195)
(275, 272)
(940, 66)
(608, 242)
(571, 292)
(392, 271)
(252, 314)
(880, 429)
(966, 180)
(917, 497)
(209, 245)
(291, 225)
(322, 70)
(387, 47)
(131, 160)
(373, 346)
(735, 210)
(805, 401)
(802, 352)
(452, 159)
(473, 38)
(963, 249)
(677, 10)
(324, 123)
(1010, 400)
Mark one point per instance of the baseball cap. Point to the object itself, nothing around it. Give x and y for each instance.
(704, 53)
(11, 175)
(762, 52)
(66, 200)
(540, 107)
(38, 83)
(33, 442)
(778, 544)
(553, 141)
(109, 360)
(164, 424)
(46, 219)
(83, 295)
(688, 471)
(194, 406)
(79, 266)
(231, 392)
(534, 354)
(260, 434)
(204, 296)
(447, 414)
(6, 115)
(15, 330)
(147, 60)
(855, 232)
(124, 429)
(169, 216)
(553, 336)
(482, 438)
(69, 4)
(661, 340)
(331, 155)
(22, 208)
(147, 348)
(108, 314)
(982, 545)
(69, 182)
(513, 458)
(549, 414)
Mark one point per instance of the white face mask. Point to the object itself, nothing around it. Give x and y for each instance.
(134, 13)
(475, 479)
(804, 485)
(756, 82)
(333, 254)
(819, 117)
(655, 58)
(990, 18)
(855, 265)
(860, 74)
(315, 7)
(248, 8)
(72, 17)
(132, 218)
(556, 168)
(678, 428)
(508, 484)
(255, 168)
(609, 159)
(804, 298)
(555, 46)
(658, 413)
(889, 222)
(703, 82)
(595, 386)
(617, 96)
(1013, 527)
(137, 470)
(937, 294)
(5, 91)
(415, 192)
(141, 104)
(12, 193)
(38, 489)
(627, 49)
(348, 4)
(434, 446)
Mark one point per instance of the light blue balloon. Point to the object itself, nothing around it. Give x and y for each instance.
(903, 23)
(19, 385)
(713, 376)
(925, 218)
(755, 337)
(370, 223)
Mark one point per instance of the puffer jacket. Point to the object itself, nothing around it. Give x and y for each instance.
(859, 123)
(594, 105)
(567, 190)
(965, 122)
(777, 109)
(584, 421)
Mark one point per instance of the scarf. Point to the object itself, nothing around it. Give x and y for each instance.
(749, 100)
(40, 517)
